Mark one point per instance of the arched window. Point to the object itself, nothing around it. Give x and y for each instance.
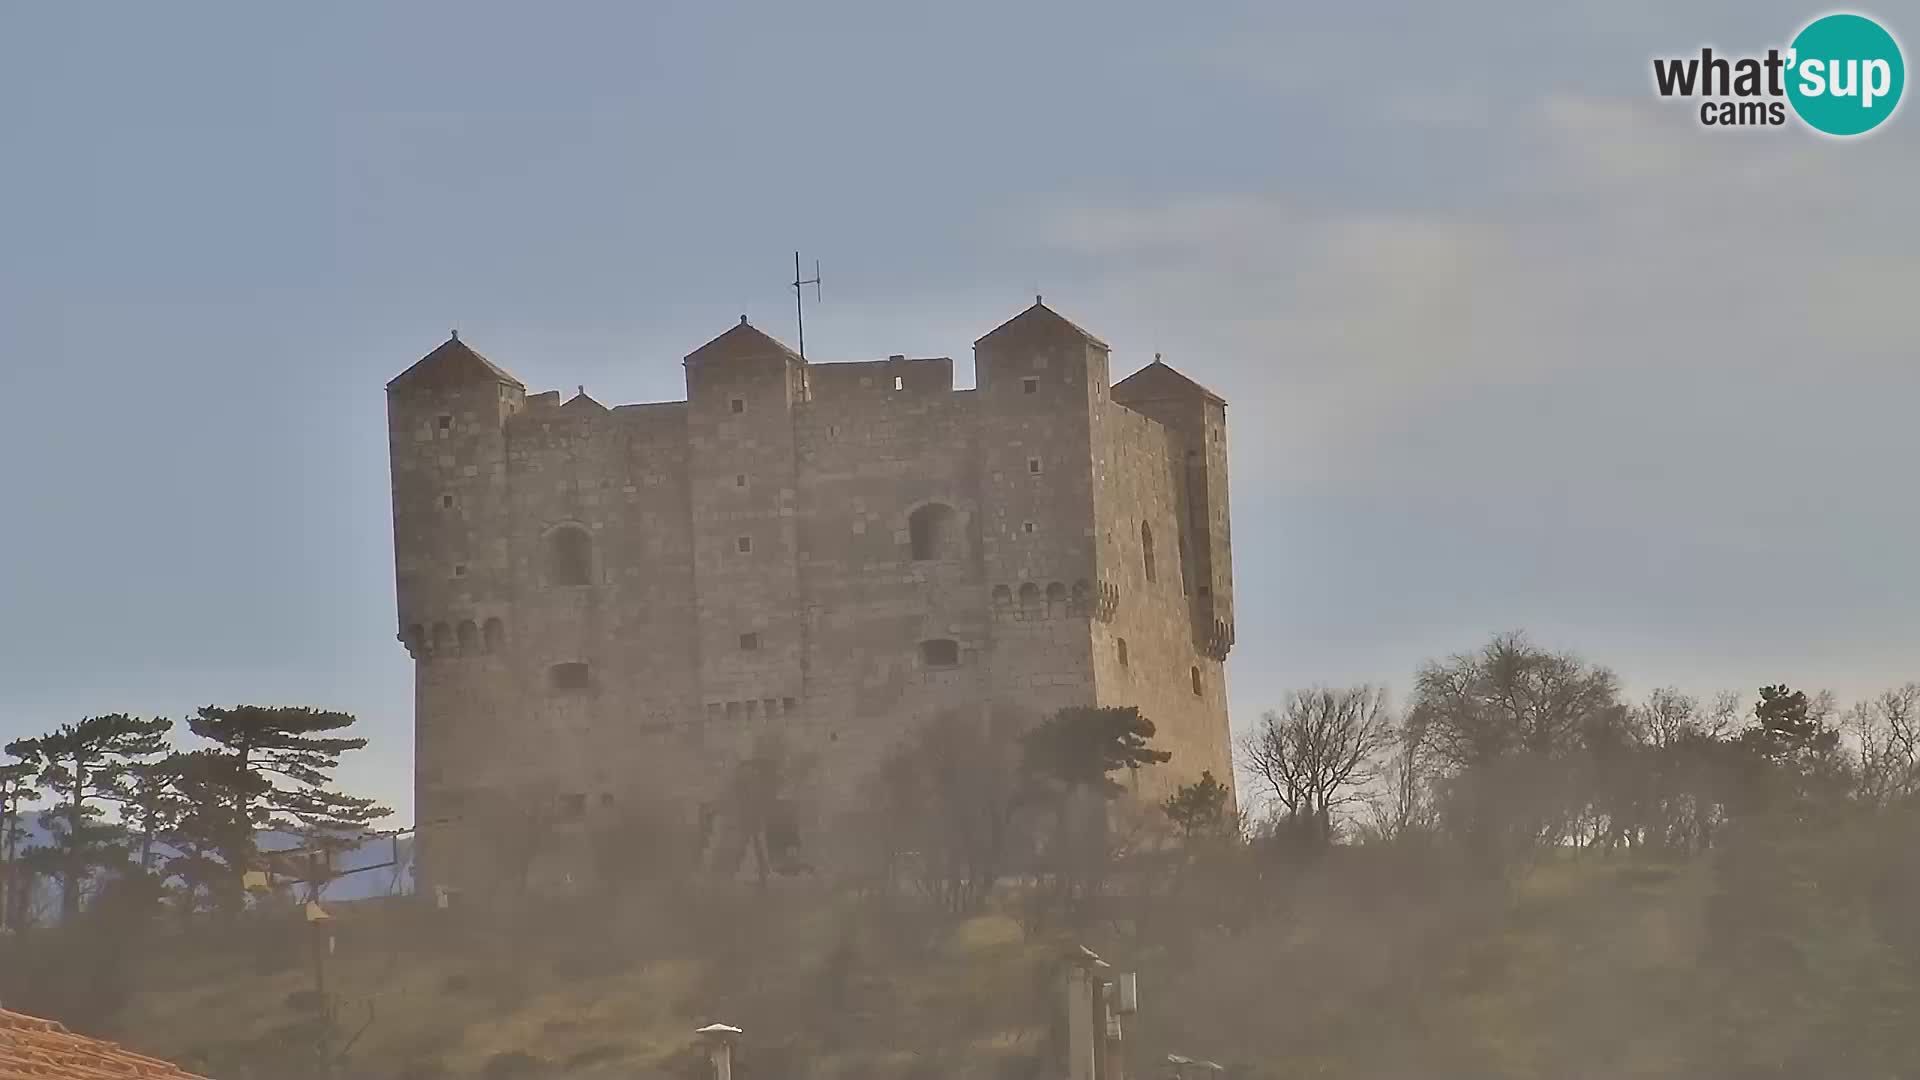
(442, 638)
(469, 637)
(1195, 674)
(570, 676)
(1029, 596)
(495, 635)
(569, 556)
(935, 533)
(1146, 549)
(1080, 591)
(940, 652)
(1002, 596)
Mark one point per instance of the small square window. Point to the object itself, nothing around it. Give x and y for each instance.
(459, 569)
(1027, 527)
(446, 423)
(1033, 466)
(740, 480)
(738, 405)
(787, 704)
(940, 653)
(749, 642)
(446, 502)
(1030, 385)
(743, 544)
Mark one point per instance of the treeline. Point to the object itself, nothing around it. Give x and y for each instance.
(130, 821)
(1515, 750)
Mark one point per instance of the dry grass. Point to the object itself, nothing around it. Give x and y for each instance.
(1762, 964)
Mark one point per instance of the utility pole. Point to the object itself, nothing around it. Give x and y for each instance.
(719, 1040)
(1086, 1020)
(320, 934)
(1095, 1004)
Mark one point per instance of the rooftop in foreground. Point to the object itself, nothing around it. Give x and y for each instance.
(36, 1049)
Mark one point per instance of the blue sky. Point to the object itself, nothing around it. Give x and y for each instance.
(1509, 343)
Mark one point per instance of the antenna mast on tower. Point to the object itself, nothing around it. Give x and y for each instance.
(799, 314)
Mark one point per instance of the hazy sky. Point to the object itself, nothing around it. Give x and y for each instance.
(1508, 342)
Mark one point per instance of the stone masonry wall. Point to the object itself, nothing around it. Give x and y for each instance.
(839, 553)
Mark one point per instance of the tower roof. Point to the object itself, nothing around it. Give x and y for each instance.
(584, 400)
(1157, 381)
(1040, 319)
(743, 340)
(453, 360)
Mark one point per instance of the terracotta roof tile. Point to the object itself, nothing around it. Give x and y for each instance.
(36, 1049)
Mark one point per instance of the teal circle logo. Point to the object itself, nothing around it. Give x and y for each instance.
(1845, 74)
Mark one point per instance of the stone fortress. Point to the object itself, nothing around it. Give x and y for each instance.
(604, 603)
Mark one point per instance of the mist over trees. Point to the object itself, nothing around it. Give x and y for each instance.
(1512, 801)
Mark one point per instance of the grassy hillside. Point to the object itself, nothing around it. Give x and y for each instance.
(1788, 954)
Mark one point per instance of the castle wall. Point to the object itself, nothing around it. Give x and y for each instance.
(877, 443)
(835, 553)
(1143, 482)
(620, 476)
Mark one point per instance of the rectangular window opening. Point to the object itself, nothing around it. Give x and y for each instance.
(446, 423)
(743, 544)
(899, 383)
(749, 642)
(1033, 466)
(1030, 385)
(940, 653)
(738, 405)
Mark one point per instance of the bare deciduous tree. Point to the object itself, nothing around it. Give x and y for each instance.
(1319, 753)
(1886, 731)
(1400, 807)
(1509, 727)
(1510, 697)
(948, 803)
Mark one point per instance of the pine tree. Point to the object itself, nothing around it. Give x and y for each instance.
(16, 788)
(1198, 809)
(279, 773)
(84, 765)
(1082, 747)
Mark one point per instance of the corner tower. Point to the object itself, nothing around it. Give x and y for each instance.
(446, 434)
